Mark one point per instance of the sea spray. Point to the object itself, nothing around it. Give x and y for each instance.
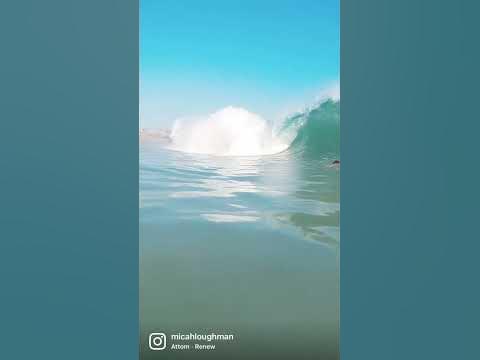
(231, 131)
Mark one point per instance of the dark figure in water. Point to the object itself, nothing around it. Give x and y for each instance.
(336, 162)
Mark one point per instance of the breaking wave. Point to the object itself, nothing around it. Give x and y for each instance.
(235, 131)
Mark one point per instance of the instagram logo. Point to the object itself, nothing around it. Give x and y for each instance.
(157, 341)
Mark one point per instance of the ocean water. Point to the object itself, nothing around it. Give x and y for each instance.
(239, 233)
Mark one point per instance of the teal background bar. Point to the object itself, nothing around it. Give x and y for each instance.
(69, 180)
(409, 181)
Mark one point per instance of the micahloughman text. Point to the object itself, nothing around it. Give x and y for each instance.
(203, 337)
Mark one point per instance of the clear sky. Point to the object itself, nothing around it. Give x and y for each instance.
(197, 56)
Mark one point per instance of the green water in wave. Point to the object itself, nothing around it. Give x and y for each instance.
(317, 130)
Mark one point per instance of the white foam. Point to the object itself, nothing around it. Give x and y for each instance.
(231, 131)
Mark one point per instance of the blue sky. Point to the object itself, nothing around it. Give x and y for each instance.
(267, 56)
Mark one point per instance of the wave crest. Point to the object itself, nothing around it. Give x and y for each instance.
(234, 131)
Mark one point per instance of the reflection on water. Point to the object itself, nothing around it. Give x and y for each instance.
(229, 218)
(277, 190)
